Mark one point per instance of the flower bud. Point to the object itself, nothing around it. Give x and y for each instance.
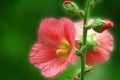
(70, 6)
(108, 24)
(100, 25)
(72, 9)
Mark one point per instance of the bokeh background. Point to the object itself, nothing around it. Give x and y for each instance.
(19, 21)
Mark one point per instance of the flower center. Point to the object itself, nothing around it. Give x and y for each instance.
(64, 49)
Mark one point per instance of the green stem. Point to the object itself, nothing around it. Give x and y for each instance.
(83, 56)
(83, 62)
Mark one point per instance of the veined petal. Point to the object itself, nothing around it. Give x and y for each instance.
(41, 53)
(45, 58)
(56, 30)
(69, 30)
(53, 67)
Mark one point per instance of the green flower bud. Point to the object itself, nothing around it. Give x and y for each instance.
(72, 9)
(97, 25)
(101, 25)
(70, 6)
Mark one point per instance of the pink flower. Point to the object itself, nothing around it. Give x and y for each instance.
(104, 40)
(54, 48)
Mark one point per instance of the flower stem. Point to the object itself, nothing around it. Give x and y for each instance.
(83, 55)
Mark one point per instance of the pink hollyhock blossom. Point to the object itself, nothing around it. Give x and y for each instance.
(54, 48)
(104, 40)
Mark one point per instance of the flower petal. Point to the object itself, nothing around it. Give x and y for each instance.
(69, 30)
(48, 62)
(56, 30)
(40, 54)
(78, 28)
(53, 67)
(103, 51)
(72, 56)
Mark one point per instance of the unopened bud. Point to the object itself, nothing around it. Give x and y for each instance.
(100, 25)
(108, 24)
(70, 6)
(72, 9)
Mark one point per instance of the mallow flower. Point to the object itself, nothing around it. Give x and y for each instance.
(54, 48)
(100, 45)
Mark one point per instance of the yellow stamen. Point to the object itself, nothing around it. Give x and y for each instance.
(63, 50)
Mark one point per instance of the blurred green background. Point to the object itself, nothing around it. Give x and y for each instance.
(19, 21)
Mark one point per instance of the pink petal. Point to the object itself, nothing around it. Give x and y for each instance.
(104, 49)
(40, 54)
(78, 28)
(72, 56)
(53, 67)
(69, 30)
(106, 40)
(48, 62)
(56, 30)
(99, 56)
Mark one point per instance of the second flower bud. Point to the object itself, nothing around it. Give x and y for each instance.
(72, 9)
(99, 25)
